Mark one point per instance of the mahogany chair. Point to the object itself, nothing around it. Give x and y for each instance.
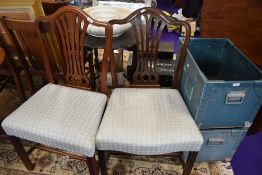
(149, 121)
(64, 116)
(26, 40)
(8, 69)
(19, 34)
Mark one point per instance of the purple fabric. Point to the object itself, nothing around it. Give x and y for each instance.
(166, 5)
(248, 157)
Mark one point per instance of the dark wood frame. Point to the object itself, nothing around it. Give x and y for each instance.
(160, 16)
(20, 33)
(11, 70)
(30, 9)
(150, 52)
(17, 30)
(41, 21)
(47, 26)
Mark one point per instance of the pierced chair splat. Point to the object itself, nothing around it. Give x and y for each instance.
(71, 114)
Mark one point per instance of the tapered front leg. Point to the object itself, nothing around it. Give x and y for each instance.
(102, 162)
(92, 165)
(190, 162)
(20, 150)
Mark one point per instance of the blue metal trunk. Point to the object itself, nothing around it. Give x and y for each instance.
(220, 86)
(220, 144)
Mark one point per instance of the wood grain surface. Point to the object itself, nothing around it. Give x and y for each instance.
(239, 20)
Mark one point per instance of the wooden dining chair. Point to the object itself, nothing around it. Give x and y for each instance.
(24, 36)
(64, 116)
(149, 121)
(9, 70)
(9, 74)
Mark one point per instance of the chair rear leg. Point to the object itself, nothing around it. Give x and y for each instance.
(92, 165)
(96, 59)
(19, 87)
(113, 69)
(17, 79)
(102, 162)
(190, 162)
(20, 150)
(30, 83)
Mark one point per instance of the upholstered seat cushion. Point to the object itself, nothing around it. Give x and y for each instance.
(147, 122)
(61, 117)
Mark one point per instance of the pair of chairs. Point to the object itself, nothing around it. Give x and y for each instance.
(142, 121)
